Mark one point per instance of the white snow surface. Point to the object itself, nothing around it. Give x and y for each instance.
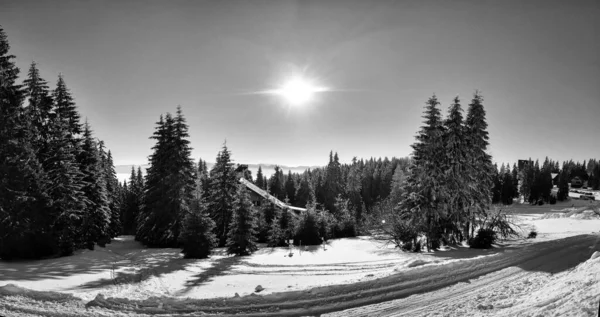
(127, 269)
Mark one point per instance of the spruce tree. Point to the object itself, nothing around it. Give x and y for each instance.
(97, 217)
(113, 195)
(65, 107)
(290, 188)
(69, 207)
(259, 178)
(169, 186)
(24, 220)
(425, 195)
(197, 236)
(277, 234)
(241, 238)
(481, 168)
(39, 111)
(458, 176)
(221, 193)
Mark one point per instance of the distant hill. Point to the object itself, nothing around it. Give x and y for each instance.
(123, 171)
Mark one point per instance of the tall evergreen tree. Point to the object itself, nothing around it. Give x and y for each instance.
(65, 107)
(69, 202)
(290, 188)
(241, 238)
(97, 217)
(276, 184)
(221, 193)
(481, 168)
(458, 175)
(425, 195)
(259, 178)
(24, 219)
(38, 111)
(169, 186)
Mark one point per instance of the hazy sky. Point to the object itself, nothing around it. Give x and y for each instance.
(127, 62)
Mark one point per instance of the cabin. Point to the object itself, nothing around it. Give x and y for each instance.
(554, 179)
(576, 182)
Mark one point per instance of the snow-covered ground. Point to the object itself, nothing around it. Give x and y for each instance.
(125, 269)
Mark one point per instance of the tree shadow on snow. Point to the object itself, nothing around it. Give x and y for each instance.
(139, 268)
(219, 267)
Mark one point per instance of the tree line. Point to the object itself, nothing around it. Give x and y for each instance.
(59, 191)
(58, 186)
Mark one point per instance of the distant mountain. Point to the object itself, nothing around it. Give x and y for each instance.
(124, 171)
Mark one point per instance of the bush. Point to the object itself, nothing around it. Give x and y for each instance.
(540, 202)
(552, 200)
(532, 234)
(197, 235)
(483, 240)
(307, 229)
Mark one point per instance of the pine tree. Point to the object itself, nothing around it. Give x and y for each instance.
(497, 185)
(333, 182)
(65, 107)
(515, 180)
(69, 203)
(259, 178)
(96, 220)
(197, 236)
(221, 193)
(277, 234)
(290, 188)
(241, 238)
(353, 189)
(459, 180)
(114, 197)
(39, 111)
(481, 168)
(169, 186)
(23, 215)
(397, 186)
(507, 192)
(425, 195)
(276, 184)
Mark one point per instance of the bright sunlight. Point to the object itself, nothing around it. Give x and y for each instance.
(298, 91)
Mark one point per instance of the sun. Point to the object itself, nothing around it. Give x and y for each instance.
(298, 91)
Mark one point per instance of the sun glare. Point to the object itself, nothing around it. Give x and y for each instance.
(298, 91)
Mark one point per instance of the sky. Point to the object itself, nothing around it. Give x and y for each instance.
(127, 62)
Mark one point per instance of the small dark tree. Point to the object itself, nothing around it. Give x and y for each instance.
(221, 192)
(277, 234)
(241, 238)
(260, 179)
(197, 236)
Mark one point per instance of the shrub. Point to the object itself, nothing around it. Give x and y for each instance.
(197, 235)
(552, 200)
(540, 202)
(483, 240)
(532, 234)
(308, 229)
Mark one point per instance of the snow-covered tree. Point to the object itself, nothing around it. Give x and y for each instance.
(24, 221)
(96, 220)
(241, 238)
(221, 193)
(197, 236)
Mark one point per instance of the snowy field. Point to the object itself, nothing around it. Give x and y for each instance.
(125, 269)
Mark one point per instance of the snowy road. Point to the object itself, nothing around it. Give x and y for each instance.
(514, 275)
